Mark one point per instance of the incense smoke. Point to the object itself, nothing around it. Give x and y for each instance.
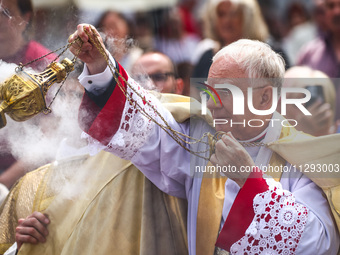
(36, 141)
(41, 139)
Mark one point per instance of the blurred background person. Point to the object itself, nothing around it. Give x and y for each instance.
(184, 70)
(273, 15)
(300, 29)
(323, 53)
(172, 39)
(143, 30)
(177, 35)
(187, 12)
(159, 73)
(319, 17)
(17, 46)
(118, 38)
(16, 41)
(224, 22)
(321, 122)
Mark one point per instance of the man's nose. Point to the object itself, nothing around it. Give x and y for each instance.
(213, 104)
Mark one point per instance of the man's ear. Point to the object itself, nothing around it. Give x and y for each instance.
(179, 86)
(267, 97)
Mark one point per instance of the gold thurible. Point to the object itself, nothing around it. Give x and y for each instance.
(22, 96)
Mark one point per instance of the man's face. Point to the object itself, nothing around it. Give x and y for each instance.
(12, 26)
(159, 69)
(226, 71)
(333, 15)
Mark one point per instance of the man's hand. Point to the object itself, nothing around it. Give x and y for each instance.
(32, 230)
(88, 53)
(229, 152)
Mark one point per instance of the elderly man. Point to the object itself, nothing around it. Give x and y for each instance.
(254, 214)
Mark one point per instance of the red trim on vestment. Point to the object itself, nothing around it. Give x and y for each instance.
(241, 213)
(107, 120)
(88, 111)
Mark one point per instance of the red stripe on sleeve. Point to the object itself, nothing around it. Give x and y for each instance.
(241, 213)
(104, 123)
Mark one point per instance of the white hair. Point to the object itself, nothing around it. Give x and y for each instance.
(257, 59)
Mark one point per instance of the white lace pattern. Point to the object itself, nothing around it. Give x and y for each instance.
(277, 226)
(134, 128)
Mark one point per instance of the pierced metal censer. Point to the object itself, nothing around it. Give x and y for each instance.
(23, 94)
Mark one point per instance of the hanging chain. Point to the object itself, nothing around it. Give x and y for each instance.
(74, 59)
(21, 66)
(218, 135)
(65, 47)
(176, 135)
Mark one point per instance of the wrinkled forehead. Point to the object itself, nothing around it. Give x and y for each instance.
(226, 67)
(226, 70)
(238, 82)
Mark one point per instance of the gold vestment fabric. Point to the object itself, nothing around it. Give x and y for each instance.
(118, 211)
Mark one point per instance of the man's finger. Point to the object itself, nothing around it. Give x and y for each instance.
(20, 221)
(81, 32)
(36, 224)
(43, 218)
(231, 136)
(71, 38)
(86, 46)
(24, 233)
(230, 140)
(93, 29)
(222, 150)
(213, 159)
(20, 239)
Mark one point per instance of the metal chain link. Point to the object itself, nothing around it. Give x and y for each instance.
(64, 48)
(218, 135)
(21, 65)
(176, 135)
(74, 59)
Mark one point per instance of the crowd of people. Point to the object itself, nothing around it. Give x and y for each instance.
(130, 179)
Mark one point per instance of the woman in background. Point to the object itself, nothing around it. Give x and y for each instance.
(224, 22)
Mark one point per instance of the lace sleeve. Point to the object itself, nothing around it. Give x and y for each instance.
(277, 226)
(134, 127)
